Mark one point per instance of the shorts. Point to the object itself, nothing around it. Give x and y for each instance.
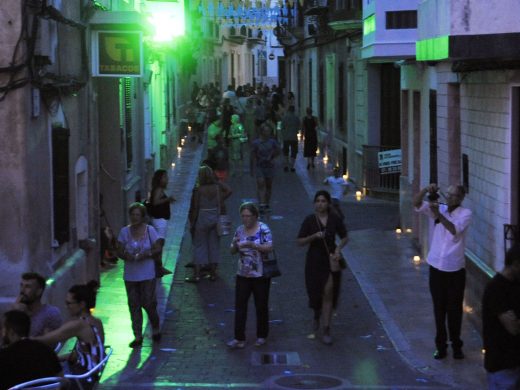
(265, 172)
(294, 148)
(161, 226)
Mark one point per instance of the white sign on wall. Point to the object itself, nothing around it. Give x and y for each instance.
(389, 161)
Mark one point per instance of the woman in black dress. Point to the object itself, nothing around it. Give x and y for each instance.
(310, 144)
(322, 271)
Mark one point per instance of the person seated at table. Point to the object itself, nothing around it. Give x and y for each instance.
(88, 330)
(23, 359)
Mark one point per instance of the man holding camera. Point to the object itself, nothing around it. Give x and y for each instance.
(446, 260)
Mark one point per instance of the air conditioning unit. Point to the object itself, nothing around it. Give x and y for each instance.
(46, 41)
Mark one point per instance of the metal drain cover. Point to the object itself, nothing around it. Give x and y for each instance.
(306, 381)
(275, 359)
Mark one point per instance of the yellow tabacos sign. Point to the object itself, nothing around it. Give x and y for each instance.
(118, 54)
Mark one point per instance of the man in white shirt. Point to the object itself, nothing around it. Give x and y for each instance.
(338, 187)
(446, 260)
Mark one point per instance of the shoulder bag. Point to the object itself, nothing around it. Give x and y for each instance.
(269, 263)
(335, 265)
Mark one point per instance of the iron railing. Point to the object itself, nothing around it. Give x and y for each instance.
(373, 180)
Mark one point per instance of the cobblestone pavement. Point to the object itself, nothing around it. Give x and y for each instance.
(379, 342)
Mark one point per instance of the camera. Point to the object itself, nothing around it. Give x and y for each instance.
(433, 196)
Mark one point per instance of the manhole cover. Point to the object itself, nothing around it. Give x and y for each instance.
(307, 381)
(275, 359)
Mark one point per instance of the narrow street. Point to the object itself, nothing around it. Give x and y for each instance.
(369, 351)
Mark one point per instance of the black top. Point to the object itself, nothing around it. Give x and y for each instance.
(26, 360)
(502, 348)
(161, 210)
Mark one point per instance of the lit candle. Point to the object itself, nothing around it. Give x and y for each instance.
(398, 231)
(408, 230)
(325, 159)
(416, 259)
(318, 152)
(189, 128)
(358, 194)
(173, 165)
(182, 142)
(179, 149)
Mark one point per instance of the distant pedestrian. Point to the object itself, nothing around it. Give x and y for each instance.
(160, 213)
(206, 202)
(214, 131)
(501, 325)
(219, 159)
(237, 137)
(263, 152)
(252, 241)
(310, 132)
(446, 260)
(291, 125)
(137, 245)
(322, 270)
(338, 188)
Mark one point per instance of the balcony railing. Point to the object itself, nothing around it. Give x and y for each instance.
(373, 181)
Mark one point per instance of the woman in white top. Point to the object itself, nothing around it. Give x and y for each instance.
(137, 245)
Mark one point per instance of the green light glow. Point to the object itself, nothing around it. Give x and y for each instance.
(433, 49)
(369, 25)
(167, 19)
(50, 281)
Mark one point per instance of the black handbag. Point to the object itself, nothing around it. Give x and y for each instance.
(270, 265)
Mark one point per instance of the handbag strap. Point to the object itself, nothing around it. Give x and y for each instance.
(323, 238)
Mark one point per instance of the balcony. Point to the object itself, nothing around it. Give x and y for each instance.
(346, 19)
(316, 7)
(389, 29)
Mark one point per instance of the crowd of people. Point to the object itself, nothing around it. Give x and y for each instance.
(247, 129)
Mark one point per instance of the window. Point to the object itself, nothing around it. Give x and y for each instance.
(401, 20)
(262, 63)
(60, 183)
(348, 4)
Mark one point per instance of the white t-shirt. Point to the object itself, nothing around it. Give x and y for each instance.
(337, 186)
(138, 271)
(447, 250)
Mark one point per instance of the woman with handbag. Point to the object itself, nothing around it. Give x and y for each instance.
(323, 261)
(252, 241)
(207, 203)
(137, 245)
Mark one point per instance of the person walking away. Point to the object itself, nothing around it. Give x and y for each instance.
(219, 158)
(252, 241)
(225, 117)
(447, 278)
(291, 124)
(207, 200)
(322, 270)
(263, 152)
(338, 188)
(160, 214)
(89, 348)
(310, 133)
(23, 359)
(44, 317)
(137, 245)
(501, 325)
(237, 139)
(214, 131)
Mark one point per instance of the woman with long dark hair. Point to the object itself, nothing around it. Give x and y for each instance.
(160, 214)
(322, 271)
(88, 330)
